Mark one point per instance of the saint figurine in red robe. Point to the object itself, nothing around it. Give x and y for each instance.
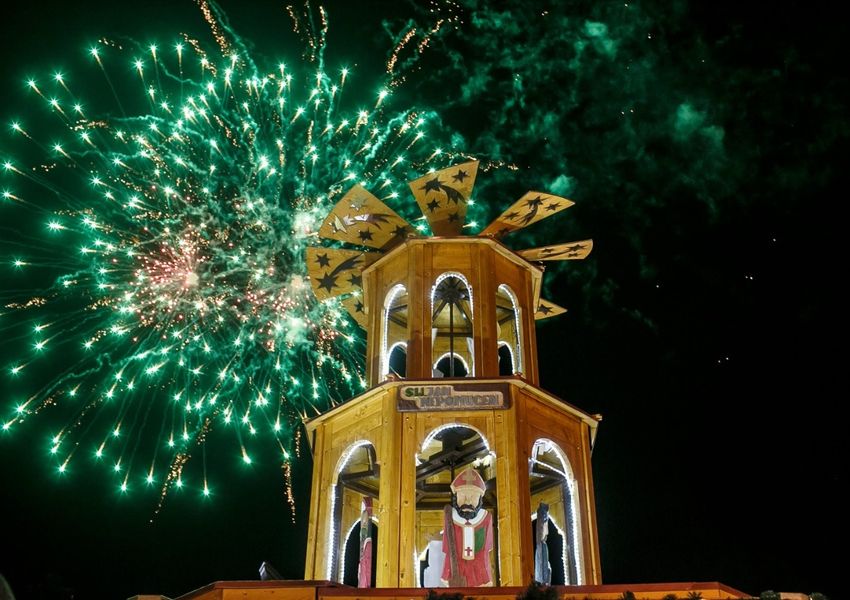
(467, 534)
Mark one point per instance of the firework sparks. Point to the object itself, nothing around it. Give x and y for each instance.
(172, 302)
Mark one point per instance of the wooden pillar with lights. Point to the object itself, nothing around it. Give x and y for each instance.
(451, 361)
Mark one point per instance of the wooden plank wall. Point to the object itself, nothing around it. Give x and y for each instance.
(571, 435)
(390, 511)
(358, 422)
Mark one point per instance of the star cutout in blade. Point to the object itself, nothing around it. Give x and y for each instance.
(432, 186)
(358, 203)
(374, 218)
(323, 260)
(460, 175)
(544, 309)
(358, 307)
(433, 205)
(511, 216)
(553, 206)
(356, 280)
(348, 263)
(365, 235)
(328, 282)
(337, 224)
(453, 195)
(400, 231)
(453, 217)
(533, 206)
(534, 202)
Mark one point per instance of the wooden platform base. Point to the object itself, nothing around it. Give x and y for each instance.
(325, 590)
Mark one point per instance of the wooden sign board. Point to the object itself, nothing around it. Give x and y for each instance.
(453, 396)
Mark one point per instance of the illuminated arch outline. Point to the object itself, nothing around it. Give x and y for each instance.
(516, 352)
(394, 292)
(340, 465)
(570, 480)
(440, 278)
(457, 356)
(437, 430)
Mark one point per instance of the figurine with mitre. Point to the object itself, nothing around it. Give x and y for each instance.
(467, 534)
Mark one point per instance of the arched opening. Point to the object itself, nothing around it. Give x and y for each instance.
(394, 332)
(447, 364)
(451, 322)
(456, 509)
(353, 501)
(508, 331)
(554, 497)
(398, 359)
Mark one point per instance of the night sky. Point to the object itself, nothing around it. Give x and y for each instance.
(703, 146)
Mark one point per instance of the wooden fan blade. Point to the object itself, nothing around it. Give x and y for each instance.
(335, 271)
(531, 208)
(354, 306)
(546, 309)
(443, 196)
(361, 218)
(567, 251)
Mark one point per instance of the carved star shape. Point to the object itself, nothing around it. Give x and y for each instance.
(337, 224)
(547, 251)
(575, 247)
(432, 185)
(544, 309)
(512, 215)
(358, 203)
(552, 207)
(358, 307)
(460, 175)
(356, 280)
(433, 205)
(365, 235)
(323, 260)
(453, 217)
(328, 281)
(400, 231)
(534, 202)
